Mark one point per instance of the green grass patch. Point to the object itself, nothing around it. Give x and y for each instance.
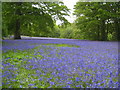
(61, 45)
(24, 77)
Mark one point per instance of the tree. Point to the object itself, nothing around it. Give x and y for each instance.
(70, 31)
(32, 17)
(95, 19)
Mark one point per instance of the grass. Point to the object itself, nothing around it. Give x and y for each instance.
(60, 45)
(22, 76)
(21, 68)
(19, 59)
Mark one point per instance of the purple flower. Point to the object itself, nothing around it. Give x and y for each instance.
(20, 86)
(77, 79)
(68, 86)
(69, 82)
(31, 84)
(34, 87)
(52, 83)
(96, 61)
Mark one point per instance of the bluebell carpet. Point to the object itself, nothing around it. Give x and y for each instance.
(61, 63)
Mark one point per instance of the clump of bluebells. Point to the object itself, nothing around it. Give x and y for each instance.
(59, 63)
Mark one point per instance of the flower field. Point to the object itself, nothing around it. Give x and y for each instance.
(61, 63)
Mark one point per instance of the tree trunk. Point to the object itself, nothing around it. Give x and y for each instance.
(117, 29)
(17, 25)
(17, 30)
(103, 32)
(107, 30)
(98, 33)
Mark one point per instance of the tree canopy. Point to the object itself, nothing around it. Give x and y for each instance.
(95, 20)
(31, 18)
(98, 20)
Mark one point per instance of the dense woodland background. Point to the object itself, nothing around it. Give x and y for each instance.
(95, 20)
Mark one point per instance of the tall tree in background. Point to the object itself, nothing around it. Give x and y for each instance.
(31, 17)
(98, 20)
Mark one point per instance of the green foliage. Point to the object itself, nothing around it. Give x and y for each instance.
(25, 76)
(98, 20)
(70, 31)
(35, 18)
(55, 32)
(61, 45)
